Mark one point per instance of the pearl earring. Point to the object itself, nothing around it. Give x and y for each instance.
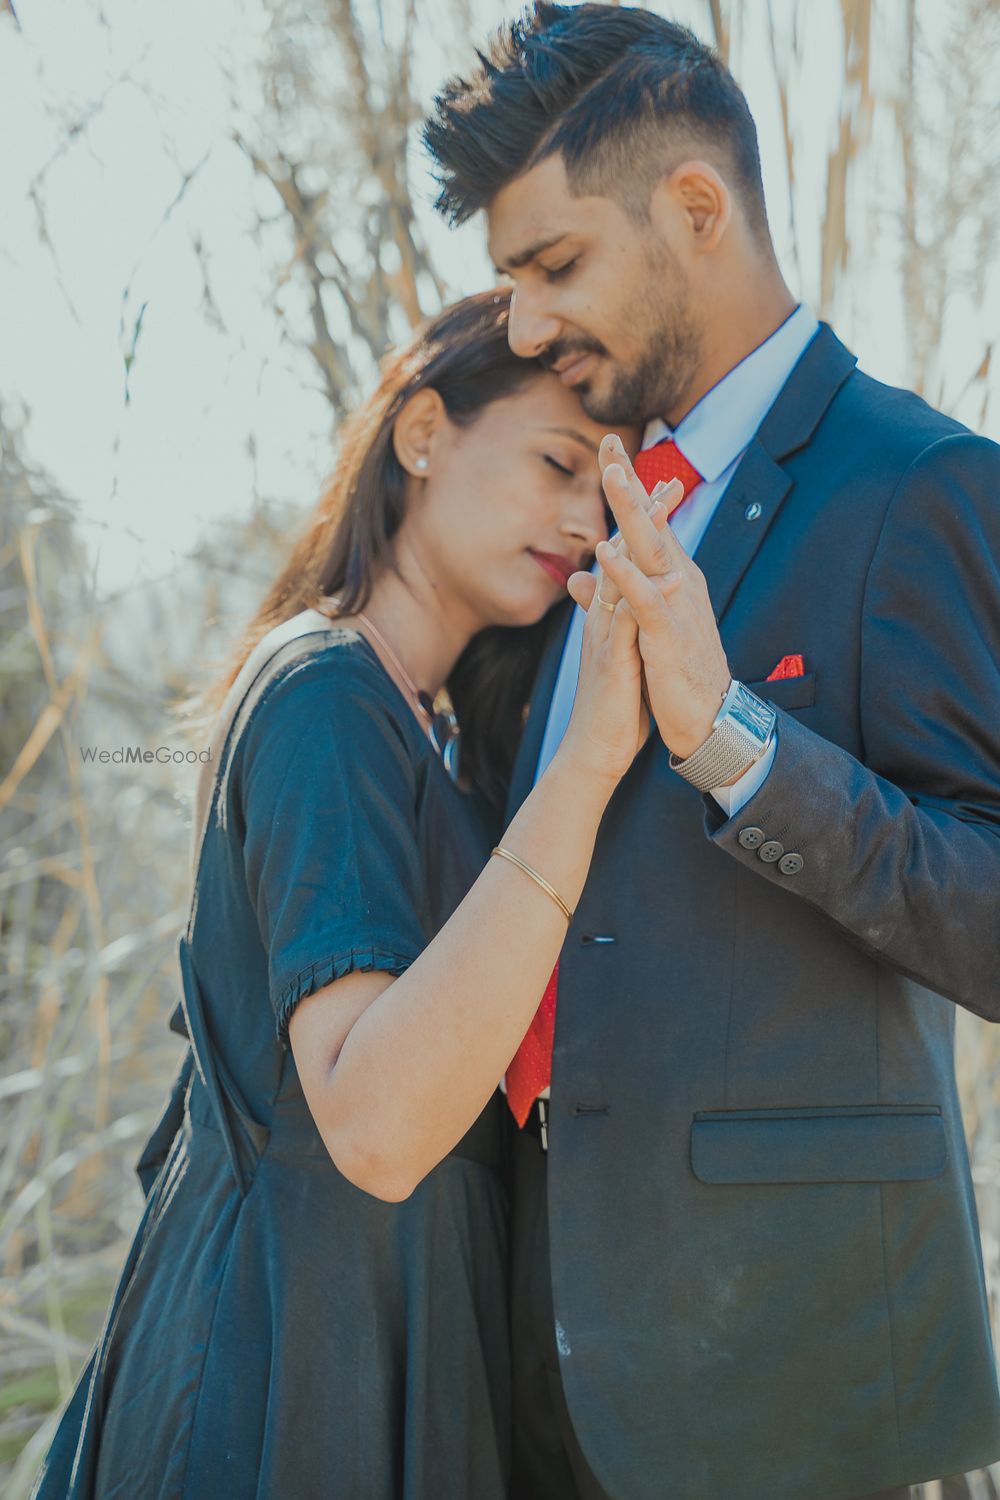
(420, 463)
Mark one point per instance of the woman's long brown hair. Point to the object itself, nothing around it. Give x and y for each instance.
(346, 540)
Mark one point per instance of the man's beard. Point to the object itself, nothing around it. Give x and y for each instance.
(656, 380)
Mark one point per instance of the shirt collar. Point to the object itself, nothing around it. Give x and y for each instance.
(719, 426)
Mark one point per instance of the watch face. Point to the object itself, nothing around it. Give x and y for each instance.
(752, 713)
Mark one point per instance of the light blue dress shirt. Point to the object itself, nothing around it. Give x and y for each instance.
(713, 437)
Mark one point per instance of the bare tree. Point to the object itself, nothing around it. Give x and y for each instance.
(345, 191)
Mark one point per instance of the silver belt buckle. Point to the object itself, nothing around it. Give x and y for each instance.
(543, 1121)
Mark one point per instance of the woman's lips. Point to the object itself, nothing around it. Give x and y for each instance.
(572, 373)
(559, 569)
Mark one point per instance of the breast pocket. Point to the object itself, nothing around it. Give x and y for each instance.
(787, 692)
(834, 1143)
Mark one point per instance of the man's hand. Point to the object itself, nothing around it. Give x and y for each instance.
(687, 674)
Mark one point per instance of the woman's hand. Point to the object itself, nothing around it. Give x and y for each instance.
(610, 720)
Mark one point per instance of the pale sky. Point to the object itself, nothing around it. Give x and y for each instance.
(221, 405)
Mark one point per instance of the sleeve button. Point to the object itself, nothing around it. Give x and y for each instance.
(750, 838)
(770, 851)
(791, 864)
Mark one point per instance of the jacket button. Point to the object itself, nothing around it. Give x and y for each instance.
(790, 864)
(770, 851)
(751, 838)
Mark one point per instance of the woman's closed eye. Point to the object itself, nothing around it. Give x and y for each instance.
(557, 273)
(570, 473)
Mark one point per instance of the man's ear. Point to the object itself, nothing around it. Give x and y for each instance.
(415, 429)
(695, 193)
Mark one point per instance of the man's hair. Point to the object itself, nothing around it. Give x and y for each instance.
(609, 88)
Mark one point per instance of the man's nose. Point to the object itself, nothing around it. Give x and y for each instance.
(530, 329)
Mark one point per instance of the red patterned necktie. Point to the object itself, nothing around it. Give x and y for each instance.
(531, 1070)
(664, 460)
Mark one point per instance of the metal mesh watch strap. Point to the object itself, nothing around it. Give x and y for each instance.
(740, 734)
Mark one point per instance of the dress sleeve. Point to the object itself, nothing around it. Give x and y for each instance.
(327, 790)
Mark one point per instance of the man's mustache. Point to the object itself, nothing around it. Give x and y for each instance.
(563, 350)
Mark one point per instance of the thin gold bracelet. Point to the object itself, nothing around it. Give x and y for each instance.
(538, 879)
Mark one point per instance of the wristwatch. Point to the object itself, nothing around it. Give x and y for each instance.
(742, 731)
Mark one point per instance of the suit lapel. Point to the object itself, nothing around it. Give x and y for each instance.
(760, 485)
(526, 760)
(741, 522)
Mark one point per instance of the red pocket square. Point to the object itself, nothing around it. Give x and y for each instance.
(788, 666)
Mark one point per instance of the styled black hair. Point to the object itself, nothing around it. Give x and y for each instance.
(603, 85)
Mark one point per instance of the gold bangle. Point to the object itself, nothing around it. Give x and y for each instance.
(538, 879)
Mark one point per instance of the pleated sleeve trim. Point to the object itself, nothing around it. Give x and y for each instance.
(362, 960)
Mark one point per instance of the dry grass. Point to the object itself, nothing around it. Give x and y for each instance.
(93, 891)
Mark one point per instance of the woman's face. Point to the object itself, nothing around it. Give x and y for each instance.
(512, 504)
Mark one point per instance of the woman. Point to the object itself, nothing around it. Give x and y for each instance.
(314, 1303)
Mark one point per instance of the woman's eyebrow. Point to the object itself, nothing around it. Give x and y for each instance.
(577, 437)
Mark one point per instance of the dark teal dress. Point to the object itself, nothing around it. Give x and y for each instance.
(276, 1332)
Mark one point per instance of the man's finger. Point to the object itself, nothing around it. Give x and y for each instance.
(613, 451)
(646, 596)
(661, 512)
(655, 550)
(670, 495)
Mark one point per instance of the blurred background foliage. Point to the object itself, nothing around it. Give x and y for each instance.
(882, 198)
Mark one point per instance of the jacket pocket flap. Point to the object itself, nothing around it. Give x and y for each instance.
(787, 692)
(901, 1143)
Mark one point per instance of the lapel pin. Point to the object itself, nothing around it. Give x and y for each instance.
(753, 512)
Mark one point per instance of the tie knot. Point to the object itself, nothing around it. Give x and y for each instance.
(664, 460)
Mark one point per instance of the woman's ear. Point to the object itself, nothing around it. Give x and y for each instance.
(415, 429)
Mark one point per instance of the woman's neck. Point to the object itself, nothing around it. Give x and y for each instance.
(425, 634)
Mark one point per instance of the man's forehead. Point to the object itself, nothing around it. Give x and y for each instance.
(531, 213)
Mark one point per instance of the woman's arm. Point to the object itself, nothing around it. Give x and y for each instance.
(396, 1070)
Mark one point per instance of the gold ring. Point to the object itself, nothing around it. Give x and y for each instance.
(603, 603)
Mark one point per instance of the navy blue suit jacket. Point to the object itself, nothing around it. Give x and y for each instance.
(765, 1254)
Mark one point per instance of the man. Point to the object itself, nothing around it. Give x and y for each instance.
(746, 1254)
